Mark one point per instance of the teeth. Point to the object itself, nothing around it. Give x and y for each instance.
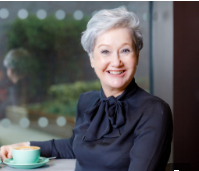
(115, 72)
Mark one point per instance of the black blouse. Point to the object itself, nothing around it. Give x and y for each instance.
(132, 132)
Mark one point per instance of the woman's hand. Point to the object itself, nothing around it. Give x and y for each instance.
(6, 151)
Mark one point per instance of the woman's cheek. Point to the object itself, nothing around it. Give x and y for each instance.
(103, 65)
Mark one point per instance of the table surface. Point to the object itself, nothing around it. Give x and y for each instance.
(52, 165)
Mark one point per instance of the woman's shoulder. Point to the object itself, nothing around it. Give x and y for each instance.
(89, 96)
(154, 107)
(145, 97)
(88, 99)
(150, 105)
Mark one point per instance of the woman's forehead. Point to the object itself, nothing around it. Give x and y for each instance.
(115, 36)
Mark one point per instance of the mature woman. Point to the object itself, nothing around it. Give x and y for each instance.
(121, 127)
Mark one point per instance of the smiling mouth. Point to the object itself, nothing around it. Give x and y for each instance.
(116, 72)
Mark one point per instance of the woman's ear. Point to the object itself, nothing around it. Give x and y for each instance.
(91, 60)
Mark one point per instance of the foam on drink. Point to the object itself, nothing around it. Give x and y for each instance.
(27, 148)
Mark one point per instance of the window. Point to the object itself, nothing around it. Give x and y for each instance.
(47, 69)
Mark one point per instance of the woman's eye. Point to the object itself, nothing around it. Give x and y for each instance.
(125, 50)
(105, 51)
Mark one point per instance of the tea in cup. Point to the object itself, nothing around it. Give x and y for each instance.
(26, 154)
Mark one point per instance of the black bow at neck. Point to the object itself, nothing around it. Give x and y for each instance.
(108, 115)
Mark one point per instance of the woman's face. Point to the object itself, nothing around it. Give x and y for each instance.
(115, 59)
(9, 73)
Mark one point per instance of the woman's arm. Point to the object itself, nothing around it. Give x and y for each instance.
(153, 136)
(61, 148)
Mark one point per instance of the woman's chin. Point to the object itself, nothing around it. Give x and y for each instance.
(117, 84)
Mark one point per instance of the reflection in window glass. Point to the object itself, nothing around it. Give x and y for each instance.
(5, 123)
(23, 13)
(4, 13)
(60, 14)
(41, 14)
(44, 69)
(145, 16)
(78, 15)
(61, 121)
(43, 122)
(24, 122)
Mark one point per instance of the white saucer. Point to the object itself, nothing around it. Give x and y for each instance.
(41, 162)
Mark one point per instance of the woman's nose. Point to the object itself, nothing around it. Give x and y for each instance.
(116, 61)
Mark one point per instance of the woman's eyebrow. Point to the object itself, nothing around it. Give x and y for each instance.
(109, 45)
(126, 44)
(103, 45)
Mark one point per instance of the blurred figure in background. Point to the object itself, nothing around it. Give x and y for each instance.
(16, 62)
(4, 84)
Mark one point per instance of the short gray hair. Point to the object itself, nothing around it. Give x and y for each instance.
(107, 19)
(18, 60)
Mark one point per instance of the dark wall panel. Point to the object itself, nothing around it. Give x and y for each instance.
(186, 83)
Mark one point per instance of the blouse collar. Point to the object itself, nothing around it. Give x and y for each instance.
(129, 91)
(108, 115)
